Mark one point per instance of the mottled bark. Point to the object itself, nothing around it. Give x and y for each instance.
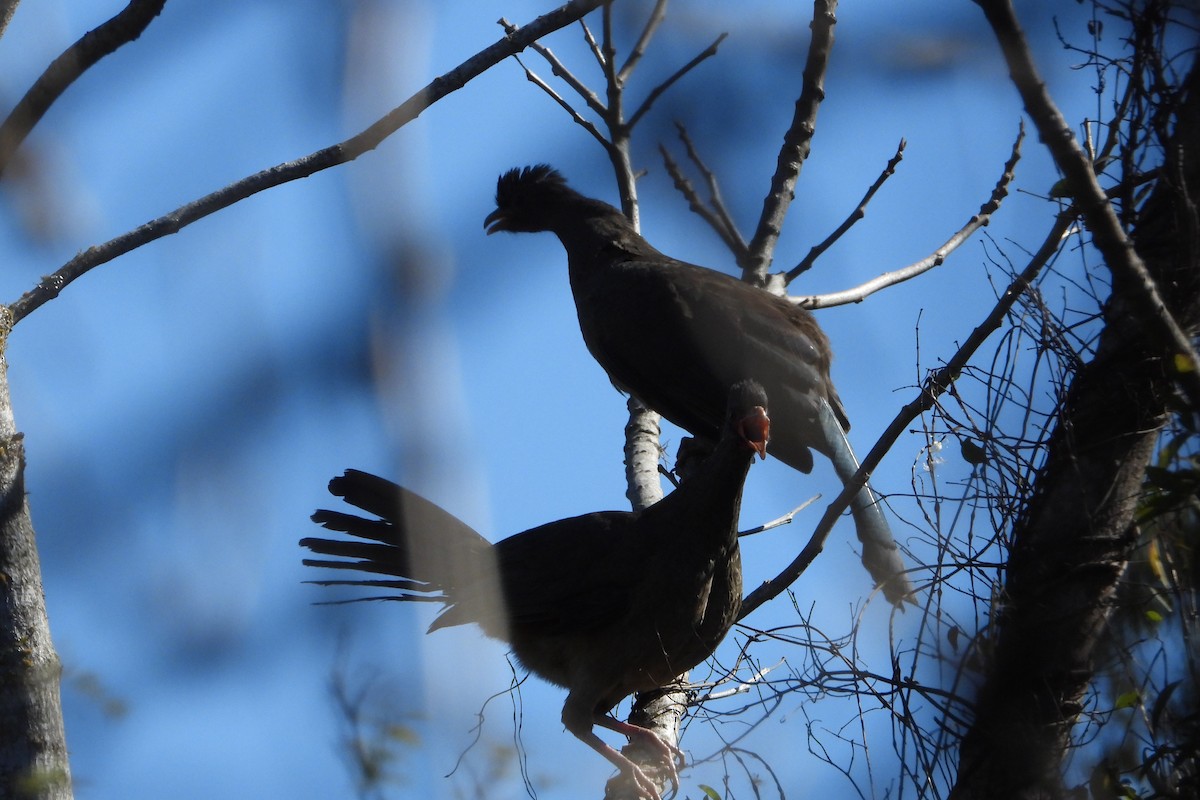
(33, 749)
(1072, 544)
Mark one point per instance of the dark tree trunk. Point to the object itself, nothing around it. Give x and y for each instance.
(1072, 544)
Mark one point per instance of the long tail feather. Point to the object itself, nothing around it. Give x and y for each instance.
(426, 553)
(880, 553)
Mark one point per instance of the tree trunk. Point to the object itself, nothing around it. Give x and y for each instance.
(33, 748)
(1072, 543)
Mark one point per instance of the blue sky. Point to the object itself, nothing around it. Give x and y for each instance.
(185, 405)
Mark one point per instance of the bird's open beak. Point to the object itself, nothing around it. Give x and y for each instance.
(496, 217)
(755, 430)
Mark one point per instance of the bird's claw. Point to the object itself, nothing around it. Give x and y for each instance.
(646, 787)
(673, 759)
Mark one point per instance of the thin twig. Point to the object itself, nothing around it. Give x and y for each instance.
(708, 53)
(731, 237)
(94, 45)
(934, 259)
(591, 41)
(859, 212)
(559, 70)
(935, 385)
(639, 49)
(786, 519)
(578, 118)
(1107, 235)
(742, 686)
(716, 201)
(50, 286)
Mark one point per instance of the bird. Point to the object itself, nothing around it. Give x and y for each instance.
(675, 335)
(604, 604)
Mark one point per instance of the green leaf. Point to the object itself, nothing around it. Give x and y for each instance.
(1154, 616)
(710, 792)
(1128, 700)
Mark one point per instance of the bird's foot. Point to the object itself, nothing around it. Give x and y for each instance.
(672, 757)
(643, 783)
(631, 776)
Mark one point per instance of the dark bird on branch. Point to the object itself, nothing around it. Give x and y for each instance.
(604, 605)
(676, 335)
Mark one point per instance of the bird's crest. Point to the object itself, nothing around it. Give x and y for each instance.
(520, 180)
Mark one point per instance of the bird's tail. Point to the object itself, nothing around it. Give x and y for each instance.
(880, 553)
(423, 552)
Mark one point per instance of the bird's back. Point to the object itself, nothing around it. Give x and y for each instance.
(678, 335)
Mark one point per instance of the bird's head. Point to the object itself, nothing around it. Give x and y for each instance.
(748, 415)
(525, 199)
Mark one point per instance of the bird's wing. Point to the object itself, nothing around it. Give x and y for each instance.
(572, 575)
(638, 326)
(744, 332)
(678, 336)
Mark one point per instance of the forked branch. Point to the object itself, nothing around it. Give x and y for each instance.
(935, 385)
(797, 143)
(713, 211)
(1107, 234)
(50, 286)
(858, 213)
(938, 256)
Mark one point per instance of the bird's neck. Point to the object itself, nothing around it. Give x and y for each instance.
(590, 230)
(715, 489)
(595, 234)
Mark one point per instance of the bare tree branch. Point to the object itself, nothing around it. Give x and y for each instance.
(1077, 533)
(797, 143)
(709, 52)
(558, 70)
(1107, 234)
(576, 117)
(716, 201)
(126, 26)
(608, 52)
(51, 285)
(33, 747)
(7, 8)
(642, 453)
(859, 212)
(639, 48)
(591, 42)
(714, 215)
(934, 259)
(934, 387)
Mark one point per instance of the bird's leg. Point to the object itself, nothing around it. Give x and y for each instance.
(579, 722)
(645, 786)
(672, 756)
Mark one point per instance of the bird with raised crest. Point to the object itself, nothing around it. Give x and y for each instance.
(676, 335)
